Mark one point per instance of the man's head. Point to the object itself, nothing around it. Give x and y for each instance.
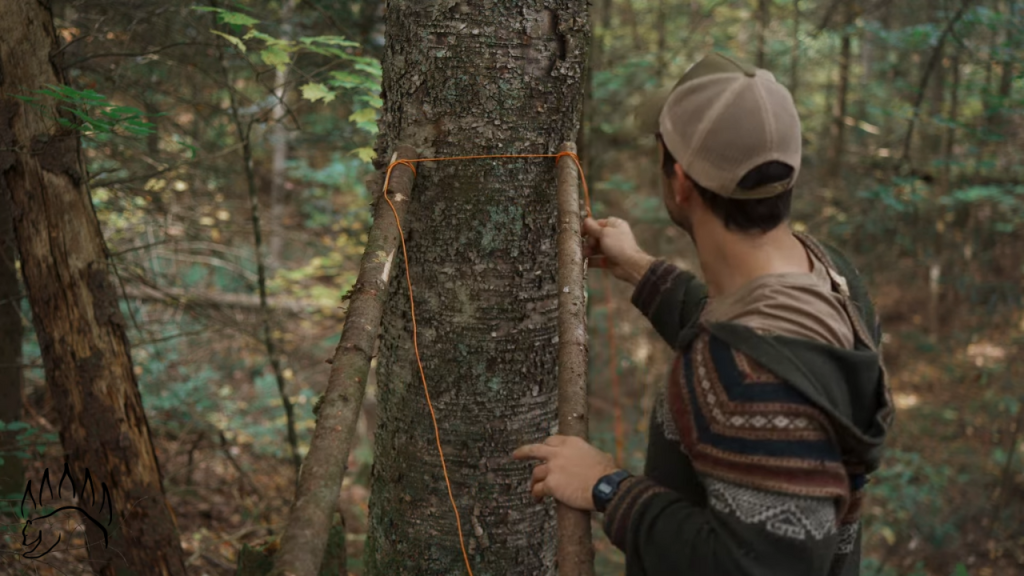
(730, 146)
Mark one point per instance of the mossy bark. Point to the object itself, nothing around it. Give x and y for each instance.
(471, 78)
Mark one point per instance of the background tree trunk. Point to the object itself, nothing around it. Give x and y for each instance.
(838, 132)
(12, 481)
(763, 19)
(279, 146)
(473, 78)
(74, 306)
(794, 51)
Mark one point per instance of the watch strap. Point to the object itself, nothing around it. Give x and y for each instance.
(606, 488)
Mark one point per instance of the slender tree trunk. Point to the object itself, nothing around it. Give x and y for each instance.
(866, 64)
(492, 78)
(838, 132)
(12, 481)
(954, 116)
(75, 306)
(629, 12)
(932, 133)
(1001, 118)
(659, 30)
(763, 20)
(279, 144)
(794, 51)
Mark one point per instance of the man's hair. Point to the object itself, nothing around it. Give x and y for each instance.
(763, 215)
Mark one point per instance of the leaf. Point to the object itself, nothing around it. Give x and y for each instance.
(229, 17)
(960, 570)
(364, 115)
(343, 79)
(238, 43)
(366, 154)
(372, 67)
(332, 40)
(316, 91)
(270, 40)
(275, 57)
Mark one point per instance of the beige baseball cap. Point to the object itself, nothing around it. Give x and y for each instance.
(721, 120)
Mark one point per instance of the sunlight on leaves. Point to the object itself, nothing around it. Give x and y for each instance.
(236, 41)
(228, 17)
(366, 154)
(316, 91)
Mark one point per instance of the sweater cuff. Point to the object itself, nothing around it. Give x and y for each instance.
(655, 282)
(633, 493)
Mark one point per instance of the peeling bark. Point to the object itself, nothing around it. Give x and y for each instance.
(463, 78)
(74, 305)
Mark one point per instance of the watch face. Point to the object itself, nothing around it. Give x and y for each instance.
(604, 488)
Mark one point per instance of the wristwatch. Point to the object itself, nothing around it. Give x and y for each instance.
(607, 487)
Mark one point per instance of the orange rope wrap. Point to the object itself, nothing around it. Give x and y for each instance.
(412, 309)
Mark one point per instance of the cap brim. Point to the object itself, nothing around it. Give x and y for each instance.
(648, 113)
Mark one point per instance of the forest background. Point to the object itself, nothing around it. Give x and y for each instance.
(912, 115)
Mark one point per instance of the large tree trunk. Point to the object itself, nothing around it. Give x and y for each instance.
(75, 308)
(473, 78)
(12, 481)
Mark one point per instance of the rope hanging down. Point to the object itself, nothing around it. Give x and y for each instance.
(412, 309)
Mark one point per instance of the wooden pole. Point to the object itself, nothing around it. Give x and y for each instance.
(309, 522)
(575, 547)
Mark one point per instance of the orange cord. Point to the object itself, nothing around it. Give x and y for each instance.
(412, 306)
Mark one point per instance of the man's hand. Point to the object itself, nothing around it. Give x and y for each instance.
(622, 256)
(569, 469)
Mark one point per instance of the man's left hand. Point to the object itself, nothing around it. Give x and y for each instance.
(568, 470)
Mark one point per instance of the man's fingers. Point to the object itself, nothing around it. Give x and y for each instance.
(597, 262)
(532, 452)
(556, 440)
(591, 227)
(540, 473)
(539, 491)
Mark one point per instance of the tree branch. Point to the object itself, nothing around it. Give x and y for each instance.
(132, 54)
(575, 547)
(309, 522)
(936, 56)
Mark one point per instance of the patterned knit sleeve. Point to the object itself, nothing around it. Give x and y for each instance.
(670, 298)
(778, 497)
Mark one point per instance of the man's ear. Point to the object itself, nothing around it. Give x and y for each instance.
(681, 188)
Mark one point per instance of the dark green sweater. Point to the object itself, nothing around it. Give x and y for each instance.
(760, 445)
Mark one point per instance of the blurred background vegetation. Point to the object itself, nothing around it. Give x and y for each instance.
(912, 115)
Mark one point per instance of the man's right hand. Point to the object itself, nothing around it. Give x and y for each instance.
(611, 245)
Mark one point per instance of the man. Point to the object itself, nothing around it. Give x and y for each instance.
(777, 406)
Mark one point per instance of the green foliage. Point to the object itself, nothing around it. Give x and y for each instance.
(912, 492)
(29, 442)
(93, 113)
(362, 78)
